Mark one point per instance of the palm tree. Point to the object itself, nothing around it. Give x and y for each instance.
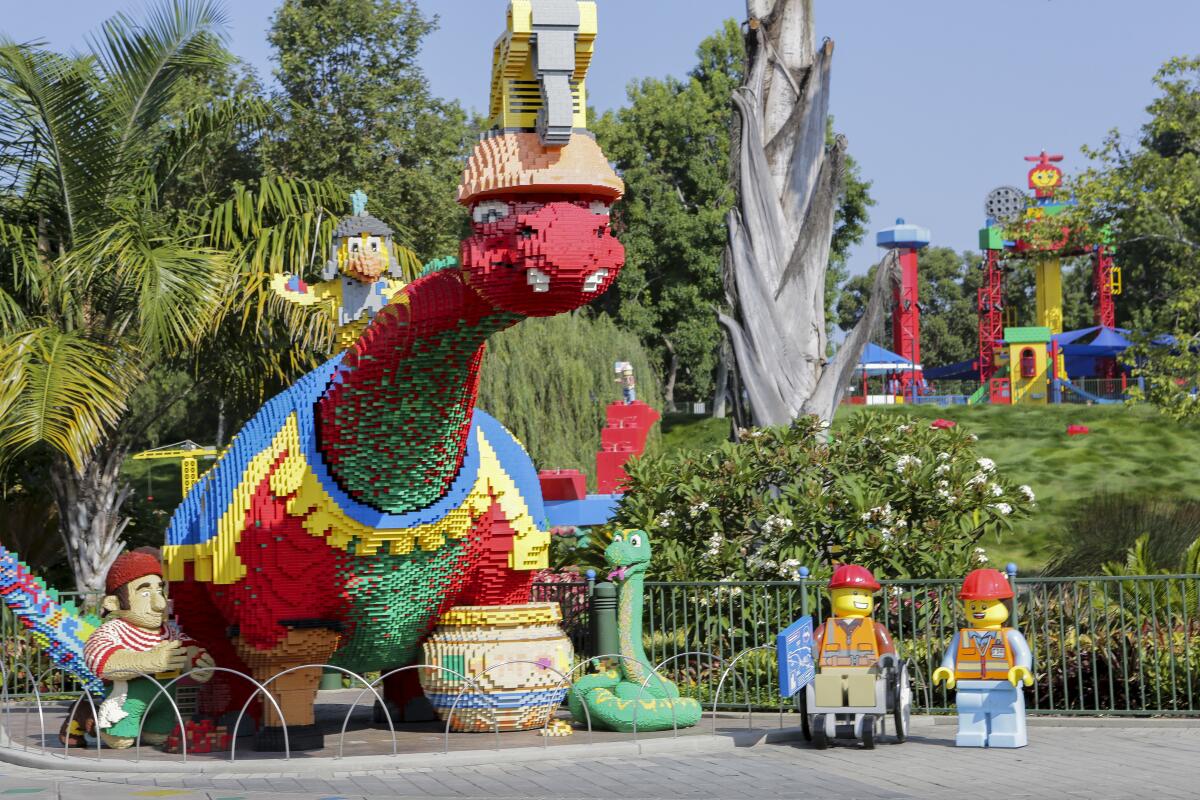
(103, 280)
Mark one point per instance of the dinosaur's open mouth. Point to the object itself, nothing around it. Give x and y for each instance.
(617, 574)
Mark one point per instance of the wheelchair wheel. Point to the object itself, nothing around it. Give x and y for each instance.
(901, 701)
(820, 738)
(868, 732)
(802, 707)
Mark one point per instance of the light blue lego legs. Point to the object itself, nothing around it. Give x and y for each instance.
(990, 714)
(1008, 718)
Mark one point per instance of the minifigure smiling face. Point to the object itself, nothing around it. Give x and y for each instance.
(852, 602)
(985, 613)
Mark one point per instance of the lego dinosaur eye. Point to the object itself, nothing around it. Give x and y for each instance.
(489, 211)
(635, 541)
(618, 537)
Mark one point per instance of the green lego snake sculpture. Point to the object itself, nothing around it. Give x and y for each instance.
(630, 694)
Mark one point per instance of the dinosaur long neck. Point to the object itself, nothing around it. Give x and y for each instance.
(634, 663)
(394, 430)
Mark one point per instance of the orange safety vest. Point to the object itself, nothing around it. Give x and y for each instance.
(983, 655)
(849, 642)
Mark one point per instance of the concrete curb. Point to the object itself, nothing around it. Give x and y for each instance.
(691, 743)
(722, 741)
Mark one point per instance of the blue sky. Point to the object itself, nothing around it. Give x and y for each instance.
(940, 99)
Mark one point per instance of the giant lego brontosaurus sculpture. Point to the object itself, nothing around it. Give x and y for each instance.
(371, 496)
(361, 503)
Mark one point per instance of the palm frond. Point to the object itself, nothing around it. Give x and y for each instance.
(164, 289)
(142, 62)
(60, 389)
(202, 123)
(54, 125)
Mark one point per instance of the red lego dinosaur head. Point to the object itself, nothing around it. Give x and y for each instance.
(542, 243)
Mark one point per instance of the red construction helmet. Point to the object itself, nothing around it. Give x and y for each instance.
(851, 576)
(985, 584)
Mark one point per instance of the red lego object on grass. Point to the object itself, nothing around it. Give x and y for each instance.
(1078, 430)
(623, 438)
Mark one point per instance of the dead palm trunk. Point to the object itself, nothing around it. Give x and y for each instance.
(789, 183)
(89, 501)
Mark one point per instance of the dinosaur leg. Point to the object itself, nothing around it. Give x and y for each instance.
(406, 699)
(296, 691)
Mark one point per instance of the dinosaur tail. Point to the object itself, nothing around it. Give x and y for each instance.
(57, 627)
(611, 702)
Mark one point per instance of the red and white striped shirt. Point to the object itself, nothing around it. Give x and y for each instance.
(117, 634)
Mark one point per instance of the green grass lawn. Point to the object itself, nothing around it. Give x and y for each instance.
(1129, 450)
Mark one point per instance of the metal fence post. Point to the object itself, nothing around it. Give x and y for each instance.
(1011, 569)
(803, 573)
(604, 619)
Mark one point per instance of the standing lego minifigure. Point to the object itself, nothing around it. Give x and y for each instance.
(137, 650)
(626, 380)
(850, 642)
(986, 663)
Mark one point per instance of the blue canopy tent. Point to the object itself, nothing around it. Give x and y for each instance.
(879, 361)
(876, 360)
(1081, 348)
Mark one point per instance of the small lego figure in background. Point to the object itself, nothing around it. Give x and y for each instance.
(138, 641)
(626, 380)
(987, 663)
(354, 286)
(850, 643)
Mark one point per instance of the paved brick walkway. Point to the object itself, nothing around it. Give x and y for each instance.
(1100, 762)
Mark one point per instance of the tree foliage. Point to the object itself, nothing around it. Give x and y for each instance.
(550, 379)
(1146, 196)
(671, 144)
(111, 272)
(357, 109)
(892, 494)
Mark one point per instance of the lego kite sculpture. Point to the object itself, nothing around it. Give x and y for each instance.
(361, 504)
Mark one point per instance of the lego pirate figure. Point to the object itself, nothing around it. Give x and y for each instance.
(138, 641)
(987, 662)
(850, 643)
(626, 380)
(360, 278)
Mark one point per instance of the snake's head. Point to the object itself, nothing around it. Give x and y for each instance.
(628, 555)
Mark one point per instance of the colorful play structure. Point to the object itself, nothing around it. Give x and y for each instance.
(1037, 363)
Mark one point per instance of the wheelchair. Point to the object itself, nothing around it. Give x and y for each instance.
(864, 720)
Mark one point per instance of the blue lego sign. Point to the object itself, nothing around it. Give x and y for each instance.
(794, 646)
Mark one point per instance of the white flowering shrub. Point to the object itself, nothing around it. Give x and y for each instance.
(890, 493)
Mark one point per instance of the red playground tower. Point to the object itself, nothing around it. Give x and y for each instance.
(906, 308)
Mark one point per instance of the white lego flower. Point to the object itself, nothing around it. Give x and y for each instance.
(996, 490)
(1028, 492)
(1004, 508)
(986, 464)
(904, 462)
